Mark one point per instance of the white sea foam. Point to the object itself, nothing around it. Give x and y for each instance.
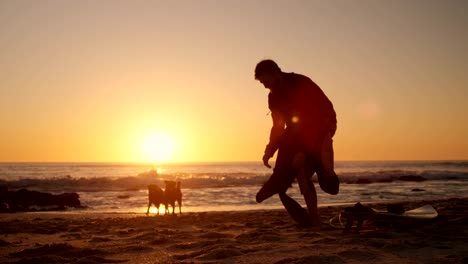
(115, 187)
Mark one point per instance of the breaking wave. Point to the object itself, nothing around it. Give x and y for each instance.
(210, 180)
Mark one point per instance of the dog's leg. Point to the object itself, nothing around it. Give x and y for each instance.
(179, 201)
(147, 211)
(359, 223)
(349, 222)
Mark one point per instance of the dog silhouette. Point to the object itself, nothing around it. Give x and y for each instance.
(173, 193)
(156, 197)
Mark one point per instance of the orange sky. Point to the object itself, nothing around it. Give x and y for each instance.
(97, 80)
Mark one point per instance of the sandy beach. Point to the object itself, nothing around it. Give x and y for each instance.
(263, 236)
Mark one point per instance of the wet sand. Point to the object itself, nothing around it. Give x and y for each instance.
(263, 236)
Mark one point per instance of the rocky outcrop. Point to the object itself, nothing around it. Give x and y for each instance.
(25, 200)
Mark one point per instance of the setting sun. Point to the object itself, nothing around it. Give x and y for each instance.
(158, 147)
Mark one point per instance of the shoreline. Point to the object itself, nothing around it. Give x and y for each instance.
(253, 236)
(380, 205)
(260, 208)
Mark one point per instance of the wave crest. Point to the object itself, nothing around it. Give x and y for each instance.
(209, 180)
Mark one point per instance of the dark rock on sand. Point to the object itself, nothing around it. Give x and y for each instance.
(26, 200)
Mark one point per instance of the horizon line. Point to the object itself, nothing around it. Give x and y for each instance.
(239, 161)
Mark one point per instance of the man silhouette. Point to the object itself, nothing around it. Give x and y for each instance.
(304, 123)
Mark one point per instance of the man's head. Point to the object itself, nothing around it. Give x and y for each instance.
(268, 73)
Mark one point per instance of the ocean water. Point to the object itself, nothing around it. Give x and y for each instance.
(122, 187)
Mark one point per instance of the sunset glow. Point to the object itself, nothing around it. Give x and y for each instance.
(158, 147)
(119, 81)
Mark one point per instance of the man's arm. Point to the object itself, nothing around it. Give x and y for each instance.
(276, 132)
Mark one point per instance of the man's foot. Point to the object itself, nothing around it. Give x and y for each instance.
(260, 197)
